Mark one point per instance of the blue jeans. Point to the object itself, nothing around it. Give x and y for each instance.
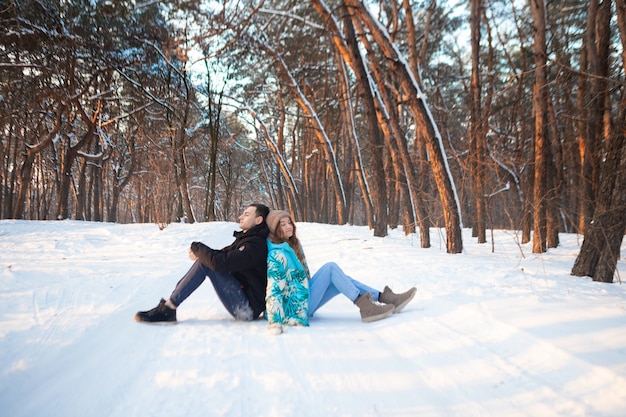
(226, 286)
(329, 281)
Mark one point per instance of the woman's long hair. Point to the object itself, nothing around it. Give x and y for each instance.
(278, 237)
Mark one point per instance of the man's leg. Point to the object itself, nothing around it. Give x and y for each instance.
(166, 310)
(189, 283)
(232, 296)
(227, 288)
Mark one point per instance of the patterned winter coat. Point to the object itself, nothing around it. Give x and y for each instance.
(287, 295)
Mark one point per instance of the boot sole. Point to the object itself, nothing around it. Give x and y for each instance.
(140, 320)
(407, 301)
(158, 323)
(377, 317)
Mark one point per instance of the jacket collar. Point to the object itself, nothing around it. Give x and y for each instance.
(258, 230)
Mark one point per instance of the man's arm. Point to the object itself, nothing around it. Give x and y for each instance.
(232, 259)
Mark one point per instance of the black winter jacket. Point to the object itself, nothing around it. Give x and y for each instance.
(245, 258)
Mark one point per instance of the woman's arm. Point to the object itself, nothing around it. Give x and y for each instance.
(274, 295)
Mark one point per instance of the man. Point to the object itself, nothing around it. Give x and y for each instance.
(238, 272)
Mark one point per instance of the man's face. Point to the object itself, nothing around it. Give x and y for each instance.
(249, 219)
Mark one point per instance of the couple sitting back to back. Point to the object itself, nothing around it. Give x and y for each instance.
(265, 269)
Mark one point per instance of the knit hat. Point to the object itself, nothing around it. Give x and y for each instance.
(273, 219)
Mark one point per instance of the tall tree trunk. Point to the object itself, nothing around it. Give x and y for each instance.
(406, 176)
(585, 190)
(595, 55)
(348, 115)
(389, 125)
(69, 159)
(477, 140)
(120, 183)
(603, 236)
(555, 179)
(280, 143)
(180, 158)
(182, 176)
(214, 133)
(295, 206)
(420, 162)
(214, 116)
(320, 132)
(527, 179)
(376, 138)
(26, 168)
(424, 120)
(403, 168)
(540, 110)
(82, 213)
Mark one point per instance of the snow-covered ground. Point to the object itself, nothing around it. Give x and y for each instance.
(508, 333)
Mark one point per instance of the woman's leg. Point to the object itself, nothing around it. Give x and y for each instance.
(227, 288)
(329, 281)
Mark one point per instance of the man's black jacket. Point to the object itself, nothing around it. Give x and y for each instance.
(245, 258)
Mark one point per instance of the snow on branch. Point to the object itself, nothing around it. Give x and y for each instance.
(90, 156)
(145, 91)
(146, 4)
(506, 187)
(304, 20)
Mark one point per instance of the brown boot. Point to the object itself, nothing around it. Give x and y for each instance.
(397, 300)
(371, 311)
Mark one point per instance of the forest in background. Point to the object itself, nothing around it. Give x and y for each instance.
(391, 113)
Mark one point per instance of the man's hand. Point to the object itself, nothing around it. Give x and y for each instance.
(192, 255)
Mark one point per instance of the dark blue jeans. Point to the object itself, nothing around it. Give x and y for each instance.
(226, 286)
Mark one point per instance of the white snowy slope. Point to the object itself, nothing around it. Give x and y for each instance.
(507, 333)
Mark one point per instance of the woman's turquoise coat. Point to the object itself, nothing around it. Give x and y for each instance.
(287, 295)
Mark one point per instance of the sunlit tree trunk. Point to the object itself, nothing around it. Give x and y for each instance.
(376, 138)
(348, 116)
(593, 106)
(419, 164)
(603, 236)
(320, 132)
(400, 168)
(294, 205)
(404, 169)
(476, 131)
(540, 110)
(555, 179)
(423, 117)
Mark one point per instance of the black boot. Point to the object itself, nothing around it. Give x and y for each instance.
(159, 314)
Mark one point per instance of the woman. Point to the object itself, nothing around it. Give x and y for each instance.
(290, 286)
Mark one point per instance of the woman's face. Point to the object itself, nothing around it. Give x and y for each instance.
(286, 228)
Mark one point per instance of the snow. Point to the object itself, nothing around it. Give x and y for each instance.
(508, 333)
